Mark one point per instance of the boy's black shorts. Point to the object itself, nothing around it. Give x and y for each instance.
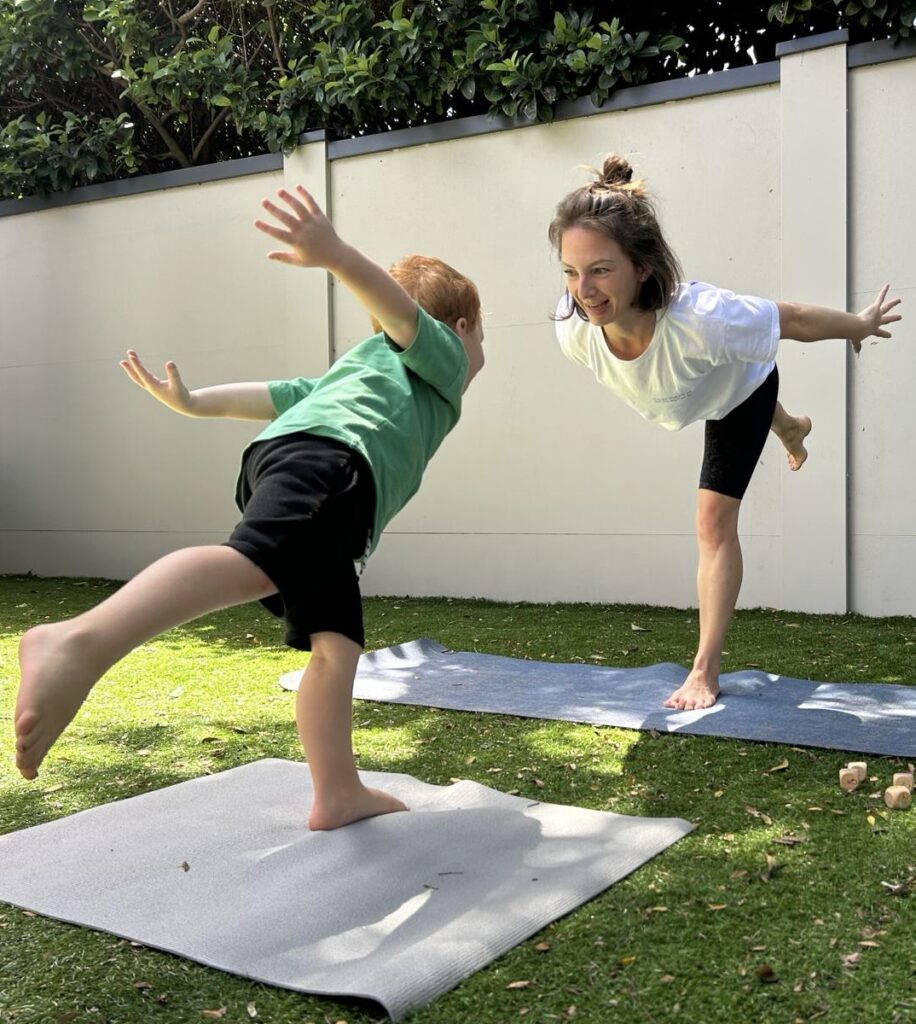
(734, 443)
(307, 508)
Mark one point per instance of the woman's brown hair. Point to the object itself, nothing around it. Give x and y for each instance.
(620, 208)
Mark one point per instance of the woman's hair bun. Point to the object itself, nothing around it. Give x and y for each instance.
(616, 171)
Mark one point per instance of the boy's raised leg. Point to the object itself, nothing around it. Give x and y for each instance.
(324, 716)
(60, 662)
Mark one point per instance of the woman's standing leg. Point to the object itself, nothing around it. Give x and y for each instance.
(719, 575)
(732, 449)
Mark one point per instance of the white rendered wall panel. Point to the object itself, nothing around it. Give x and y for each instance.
(812, 258)
(177, 274)
(882, 424)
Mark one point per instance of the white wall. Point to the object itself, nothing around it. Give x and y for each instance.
(882, 412)
(96, 478)
(549, 489)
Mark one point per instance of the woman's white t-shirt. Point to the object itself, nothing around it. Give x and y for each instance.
(711, 349)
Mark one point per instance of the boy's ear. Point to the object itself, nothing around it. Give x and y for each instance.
(461, 325)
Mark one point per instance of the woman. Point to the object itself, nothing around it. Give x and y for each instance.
(679, 352)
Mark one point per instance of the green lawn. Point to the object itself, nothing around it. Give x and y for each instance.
(791, 901)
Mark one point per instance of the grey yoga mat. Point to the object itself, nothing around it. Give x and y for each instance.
(222, 870)
(874, 718)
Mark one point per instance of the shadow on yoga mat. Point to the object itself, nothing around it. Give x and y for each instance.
(874, 718)
(400, 908)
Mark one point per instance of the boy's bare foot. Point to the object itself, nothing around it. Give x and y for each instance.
(793, 439)
(333, 812)
(55, 678)
(698, 691)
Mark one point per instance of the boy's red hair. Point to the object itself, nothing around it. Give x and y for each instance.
(444, 293)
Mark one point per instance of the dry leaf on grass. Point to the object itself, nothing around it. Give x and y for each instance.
(754, 813)
(901, 888)
(772, 867)
(790, 839)
(518, 984)
(214, 1014)
(777, 767)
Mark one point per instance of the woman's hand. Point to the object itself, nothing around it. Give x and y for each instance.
(875, 316)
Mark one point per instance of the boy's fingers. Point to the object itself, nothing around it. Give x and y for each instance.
(281, 234)
(285, 257)
(291, 200)
(129, 370)
(284, 216)
(308, 199)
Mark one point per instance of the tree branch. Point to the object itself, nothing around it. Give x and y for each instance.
(214, 124)
(183, 19)
(281, 66)
(176, 151)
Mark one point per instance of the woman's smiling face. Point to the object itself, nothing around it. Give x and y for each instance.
(599, 275)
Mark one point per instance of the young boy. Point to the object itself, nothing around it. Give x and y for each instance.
(341, 455)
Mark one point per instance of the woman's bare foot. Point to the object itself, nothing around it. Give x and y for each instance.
(336, 811)
(792, 437)
(700, 690)
(56, 676)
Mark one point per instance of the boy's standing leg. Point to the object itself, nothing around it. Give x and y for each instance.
(60, 662)
(324, 717)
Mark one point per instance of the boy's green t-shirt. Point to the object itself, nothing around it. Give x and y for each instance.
(394, 406)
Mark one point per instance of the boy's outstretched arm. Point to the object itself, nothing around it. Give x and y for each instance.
(246, 401)
(313, 242)
(799, 322)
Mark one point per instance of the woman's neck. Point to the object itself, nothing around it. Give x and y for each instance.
(629, 338)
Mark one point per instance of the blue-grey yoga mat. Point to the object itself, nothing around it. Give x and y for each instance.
(874, 718)
(223, 870)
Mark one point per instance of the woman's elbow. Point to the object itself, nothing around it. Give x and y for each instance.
(791, 321)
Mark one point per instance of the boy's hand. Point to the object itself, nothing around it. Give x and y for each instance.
(875, 316)
(170, 392)
(311, 237)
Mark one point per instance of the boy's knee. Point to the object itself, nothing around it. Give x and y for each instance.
(334, 647)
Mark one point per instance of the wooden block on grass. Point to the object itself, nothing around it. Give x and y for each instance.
(903, 779)
(849, 779)
(860, 768)
(898, 798)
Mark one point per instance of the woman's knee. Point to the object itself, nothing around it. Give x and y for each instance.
(717, 519)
